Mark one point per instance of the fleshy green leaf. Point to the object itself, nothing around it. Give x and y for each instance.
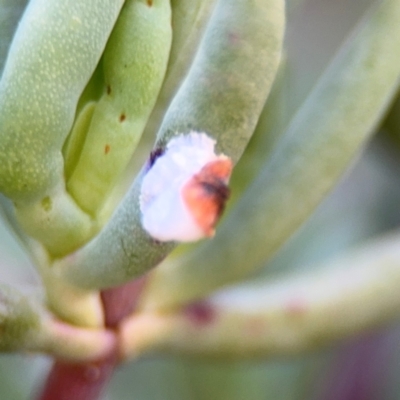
(222, 95)
(328, 131)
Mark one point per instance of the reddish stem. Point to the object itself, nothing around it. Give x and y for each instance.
(67, 381)
(78, 381)
(121, 301)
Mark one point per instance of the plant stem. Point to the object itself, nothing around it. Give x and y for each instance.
(69, 381)
(121, 301)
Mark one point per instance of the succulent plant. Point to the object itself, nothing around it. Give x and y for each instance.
(130, 127)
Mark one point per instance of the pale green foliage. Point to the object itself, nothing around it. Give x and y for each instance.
(53, 54)
(133, 64)
(19, 320)
(216, 97)
(324, 136)
(83, 80)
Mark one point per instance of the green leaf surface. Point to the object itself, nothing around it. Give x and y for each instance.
(328, 131)
(223, 94)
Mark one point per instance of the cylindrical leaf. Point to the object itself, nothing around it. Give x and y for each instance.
(54, 52)
(223, 95)
(323, 138)
(288, 316)
(134, 65)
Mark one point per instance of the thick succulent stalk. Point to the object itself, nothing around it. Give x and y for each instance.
(327, 132)
(27, 326)
(53, 54)
(81, 81)
(220, 76)
(271, 125)
(87, 380)
(189, 20)
(133, 64)
(292, 315)
(77, 381)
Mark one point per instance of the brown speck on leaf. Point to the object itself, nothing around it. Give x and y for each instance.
(107, 149)
(108, 89)
(200, 313)
(150, 3)
(122, 118)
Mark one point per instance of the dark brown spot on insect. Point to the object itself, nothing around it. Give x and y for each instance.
(207, 192)
(217, 190)
(122, 118)
(154, 155)
(107, 149)
(108, 89)
(150, 3)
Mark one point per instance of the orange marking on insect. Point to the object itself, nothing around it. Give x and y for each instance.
(149, 3)
(107, 149)
(207, 192)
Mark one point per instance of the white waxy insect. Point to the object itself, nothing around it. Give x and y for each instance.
(184, 192)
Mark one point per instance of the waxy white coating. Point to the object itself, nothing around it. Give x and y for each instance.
(165, 214)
